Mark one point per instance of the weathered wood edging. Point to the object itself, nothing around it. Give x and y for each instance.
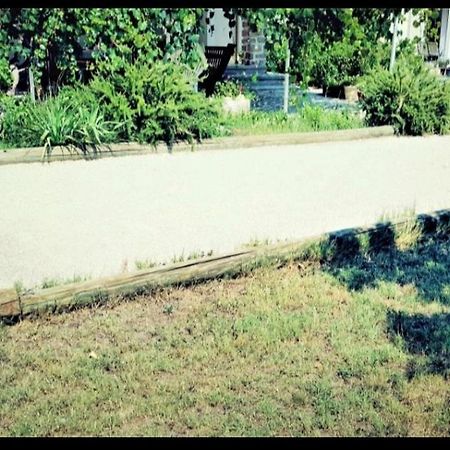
(15, 304)
(30, 155)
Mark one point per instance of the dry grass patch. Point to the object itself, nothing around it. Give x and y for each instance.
(355, 347)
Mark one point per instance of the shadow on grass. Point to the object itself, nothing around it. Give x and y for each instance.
(425, 336)
(361, 262)
(426, 265)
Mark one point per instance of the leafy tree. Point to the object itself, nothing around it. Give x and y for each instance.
(343, 40)
(432, 20)
(52, 39)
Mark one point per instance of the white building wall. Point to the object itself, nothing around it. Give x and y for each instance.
(407, 29)
(217, 34)
(444, 41)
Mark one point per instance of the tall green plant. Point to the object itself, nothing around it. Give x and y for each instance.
(156, 101)
(59, 121)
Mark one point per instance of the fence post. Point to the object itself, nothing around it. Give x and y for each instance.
(32, 89)
(286, 79)
(394, 43)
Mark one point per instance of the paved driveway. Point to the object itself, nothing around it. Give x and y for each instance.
(98, 217)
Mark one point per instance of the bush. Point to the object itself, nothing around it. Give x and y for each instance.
(61, 120)
(15, 121)
(337, 66)
(147, 102)
(344, 62)
(229, 88)
(5, 75)
(156, 101)
(341, 63)
(411, 98)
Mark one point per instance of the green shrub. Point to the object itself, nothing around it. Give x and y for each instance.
(80, 96)
(228, 88)
(412, 98)
(15, 121)
(339, 65)
(146, 101)
(154, 101)
(343, 62)
(60, 120)
(5, 75)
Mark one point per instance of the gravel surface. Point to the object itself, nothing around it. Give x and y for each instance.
(96, 218)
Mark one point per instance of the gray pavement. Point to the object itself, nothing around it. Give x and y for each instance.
(96, 218)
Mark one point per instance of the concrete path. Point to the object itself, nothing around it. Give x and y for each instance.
(97, 218)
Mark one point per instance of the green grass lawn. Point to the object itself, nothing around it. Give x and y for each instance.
(356, 346)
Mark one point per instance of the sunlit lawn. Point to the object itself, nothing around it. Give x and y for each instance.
(359, 346)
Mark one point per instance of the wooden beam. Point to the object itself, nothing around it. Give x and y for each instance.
(16, 304)
(30, 155)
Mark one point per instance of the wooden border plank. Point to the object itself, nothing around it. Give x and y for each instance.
(34, 155)
(14, 304)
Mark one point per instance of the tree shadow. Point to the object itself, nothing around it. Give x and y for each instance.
(364, 259)
(425, 265)
(425, 336)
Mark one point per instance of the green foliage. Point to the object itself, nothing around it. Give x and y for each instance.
(145, 101)
(156, 101)
(411, 98)
(339, 66)
(5, 75)
(308, 118)
(15, 121)
(228, 88)
(320, 119)
(432, 19)
(56, 121)
(51, 39)
(328, 46)
(232, 88)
